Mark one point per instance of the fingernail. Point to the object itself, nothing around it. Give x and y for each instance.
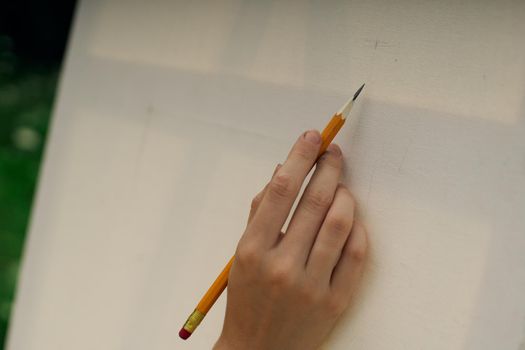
(333, 148)
(313, 136)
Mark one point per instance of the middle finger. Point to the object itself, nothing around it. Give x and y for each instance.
(313, 206)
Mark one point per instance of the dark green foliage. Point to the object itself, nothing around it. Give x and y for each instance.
(33, 37)
(26, 97)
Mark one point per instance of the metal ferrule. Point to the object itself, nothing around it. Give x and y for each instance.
(193, 321)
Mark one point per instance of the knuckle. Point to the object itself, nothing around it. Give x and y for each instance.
(339, 224)
(358, 249)
(280, 274)
(305, 151)
(255, 202)
(278, 277)
(248, 254)
(325, 251)
(357, 252)
(344, 191)
(282, 186)
(318, 199)
(336, 305)
(309, 294)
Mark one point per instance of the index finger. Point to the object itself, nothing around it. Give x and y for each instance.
(284, 188)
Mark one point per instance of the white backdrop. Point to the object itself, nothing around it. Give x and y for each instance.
(171, 115)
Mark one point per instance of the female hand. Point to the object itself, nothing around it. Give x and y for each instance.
(286, 291)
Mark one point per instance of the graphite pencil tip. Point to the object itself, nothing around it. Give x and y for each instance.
(345, 110)
(358, 92)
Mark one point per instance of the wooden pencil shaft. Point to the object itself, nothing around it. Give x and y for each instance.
(216, 289)
(334, 125)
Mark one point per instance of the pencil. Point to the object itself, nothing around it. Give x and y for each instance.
(212, 294)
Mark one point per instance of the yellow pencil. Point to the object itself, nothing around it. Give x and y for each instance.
(220, 283)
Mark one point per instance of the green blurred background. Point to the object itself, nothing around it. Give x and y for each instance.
(33, 36)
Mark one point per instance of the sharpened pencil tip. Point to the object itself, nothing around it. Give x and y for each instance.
(345, 111)
(358, 92)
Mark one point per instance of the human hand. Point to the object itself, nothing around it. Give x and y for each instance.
(286, 291)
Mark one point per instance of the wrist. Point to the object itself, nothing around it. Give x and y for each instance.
(228, 343)
(223, 344)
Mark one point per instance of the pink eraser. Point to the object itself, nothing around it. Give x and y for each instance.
(184, 334)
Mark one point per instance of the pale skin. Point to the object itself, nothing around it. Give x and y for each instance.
(287, 291)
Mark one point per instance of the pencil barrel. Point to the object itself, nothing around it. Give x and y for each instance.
(330, 131)
(215, 290)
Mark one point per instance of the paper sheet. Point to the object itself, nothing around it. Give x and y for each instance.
(172, 115)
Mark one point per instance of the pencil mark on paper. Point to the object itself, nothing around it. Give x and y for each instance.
(379, 44)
